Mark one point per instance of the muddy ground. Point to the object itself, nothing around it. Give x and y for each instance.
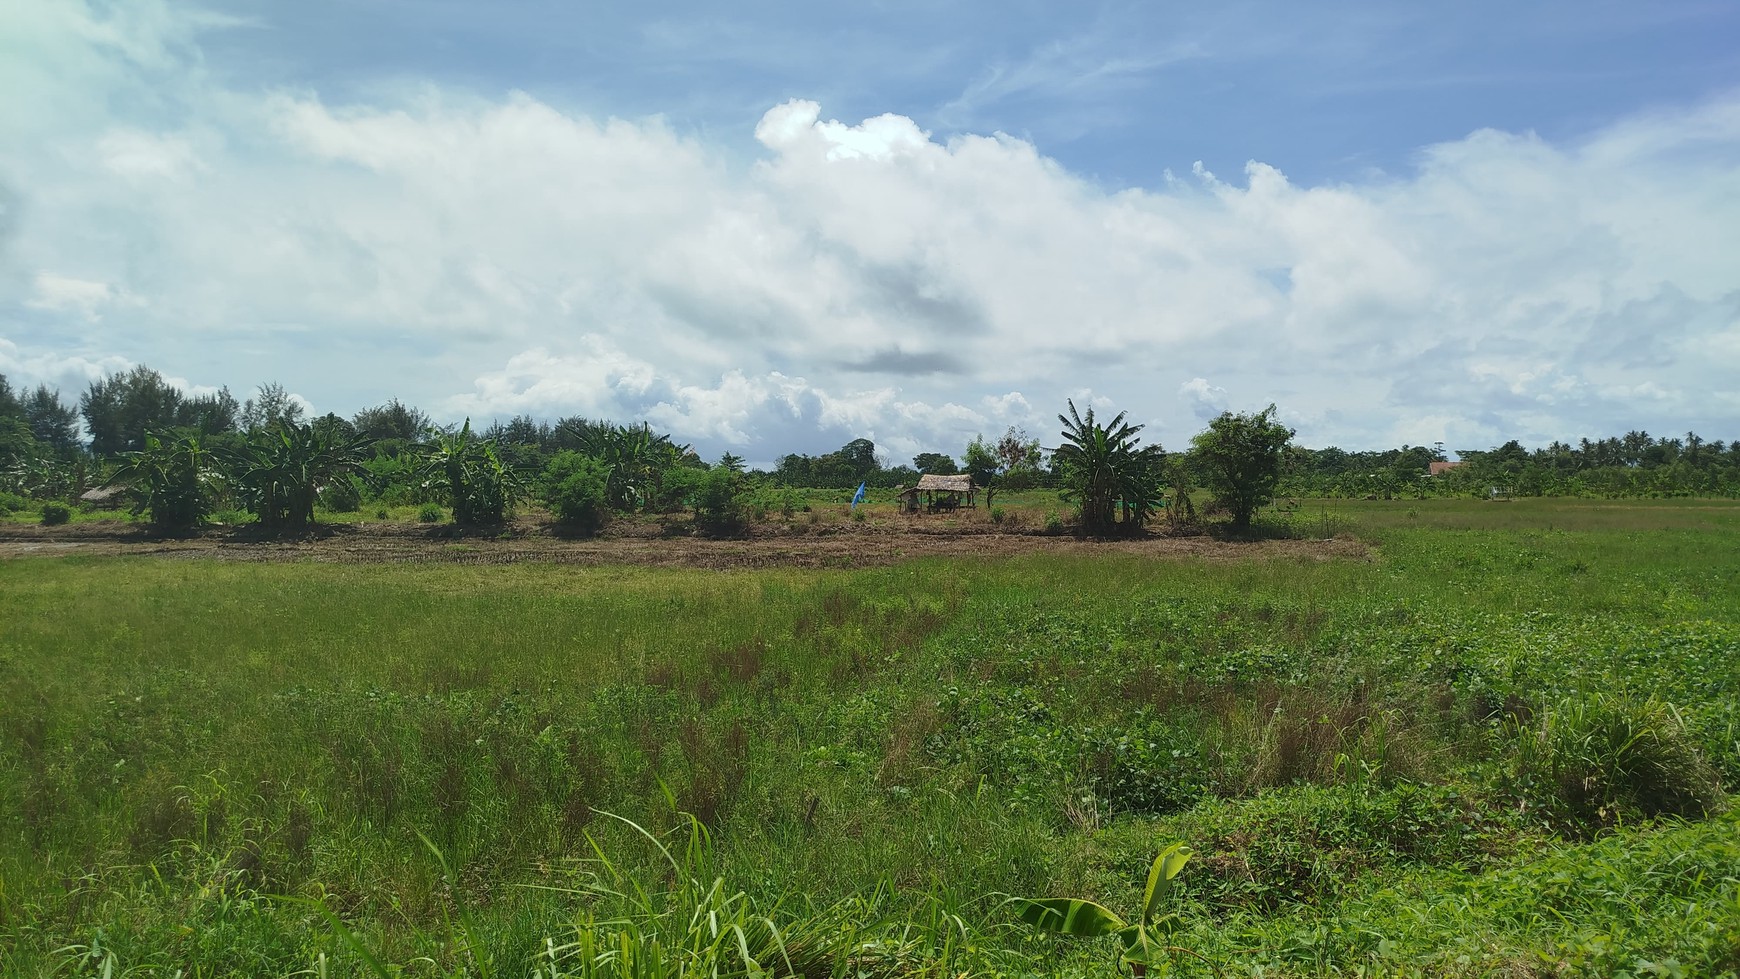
(839, 546)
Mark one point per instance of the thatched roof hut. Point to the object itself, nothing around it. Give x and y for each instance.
(940, 492)
(105, 497)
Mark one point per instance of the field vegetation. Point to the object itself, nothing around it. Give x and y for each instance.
(1498, 742)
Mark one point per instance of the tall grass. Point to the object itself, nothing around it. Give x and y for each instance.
(197, 758)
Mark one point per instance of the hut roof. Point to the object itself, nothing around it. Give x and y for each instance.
(953, 484)
(104, 495)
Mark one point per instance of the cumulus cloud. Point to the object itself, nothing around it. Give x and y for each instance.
(487, 256)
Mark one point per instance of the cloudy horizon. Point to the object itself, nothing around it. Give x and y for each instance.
(767, 237)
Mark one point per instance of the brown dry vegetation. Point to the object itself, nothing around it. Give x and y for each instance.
(835, 546)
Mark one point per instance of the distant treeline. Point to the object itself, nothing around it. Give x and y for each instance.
(47, 454)
(1635, 464)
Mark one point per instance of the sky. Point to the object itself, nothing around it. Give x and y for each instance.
(771, 227)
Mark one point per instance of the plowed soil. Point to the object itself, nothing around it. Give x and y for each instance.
(833, 546)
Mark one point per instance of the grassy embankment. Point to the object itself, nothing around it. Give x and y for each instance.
(1447, 760)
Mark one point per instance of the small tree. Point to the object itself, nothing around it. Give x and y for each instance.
(576, 488)
(171, 479)
(1239, 460)
(480, 486)
(719, 501)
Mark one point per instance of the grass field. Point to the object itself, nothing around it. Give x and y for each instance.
(1495, 746)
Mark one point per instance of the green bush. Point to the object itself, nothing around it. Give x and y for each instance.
(55, 513)
(576, 487)
(999, 514)
(430, 513)
(1593, 761)
(12, 503)
(343, 495)
(720, 501)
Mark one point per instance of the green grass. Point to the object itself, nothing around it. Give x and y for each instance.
(196, 758)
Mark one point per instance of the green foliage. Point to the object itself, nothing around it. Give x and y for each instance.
(1239, 460)
(13, 502)
(576, 488)
(721, 501)
(55, 513)
(280, 470)
(480, 487)
(1142, 940)
(1327, 735)
(172, 479)
(1106, 470)
(935, 463)
(431, 513)
(1602, 759)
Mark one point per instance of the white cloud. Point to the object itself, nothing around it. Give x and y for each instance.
(498, 255)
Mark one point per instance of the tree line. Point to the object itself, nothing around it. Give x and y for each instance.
(182, 458)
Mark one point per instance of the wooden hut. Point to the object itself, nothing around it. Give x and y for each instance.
(937, 493)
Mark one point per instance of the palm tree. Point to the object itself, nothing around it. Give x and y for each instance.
(282, 468)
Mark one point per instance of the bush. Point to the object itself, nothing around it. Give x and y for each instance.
(576, 487)
(1053, 523)
(430, 513)
(342, 496)
(1595, 760)
(54, 514)
(720, 501)
(12, 503)
(999, 514)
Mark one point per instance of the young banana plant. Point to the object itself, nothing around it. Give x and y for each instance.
(1141, 940)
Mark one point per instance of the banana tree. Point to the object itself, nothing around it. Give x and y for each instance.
(171, 478)
(1100, 464)
(1141, 942)
(481, 485)
(281, 469)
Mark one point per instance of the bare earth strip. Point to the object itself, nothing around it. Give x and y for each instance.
(529, 543)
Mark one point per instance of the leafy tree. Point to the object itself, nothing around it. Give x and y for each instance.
(120, 409)
(479, 485)
(210, 414)
(720, 504)
(51, 422)
(171, 478)
(392, 426)
(1239, 460)
(1101, 464)
(1018, 460)
(980, 461)
(273, 406)
(935, 463)
(10, 406)
(282, 467)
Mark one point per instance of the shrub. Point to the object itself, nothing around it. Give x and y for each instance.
(999, 514)
(430, 513)
(1593, 761)
(1053, 523)
(55, 513)
(343, 495)
(720, 501)
(381, 514)
(12, 503)
(576, 487)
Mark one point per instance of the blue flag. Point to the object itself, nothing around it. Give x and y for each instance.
(858, 497)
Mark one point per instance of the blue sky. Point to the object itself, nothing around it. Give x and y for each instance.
(1463, 222)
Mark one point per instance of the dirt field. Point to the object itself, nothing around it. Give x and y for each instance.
(528, 542)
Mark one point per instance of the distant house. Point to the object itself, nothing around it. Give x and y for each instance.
(939, 493)
(1442, 467)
